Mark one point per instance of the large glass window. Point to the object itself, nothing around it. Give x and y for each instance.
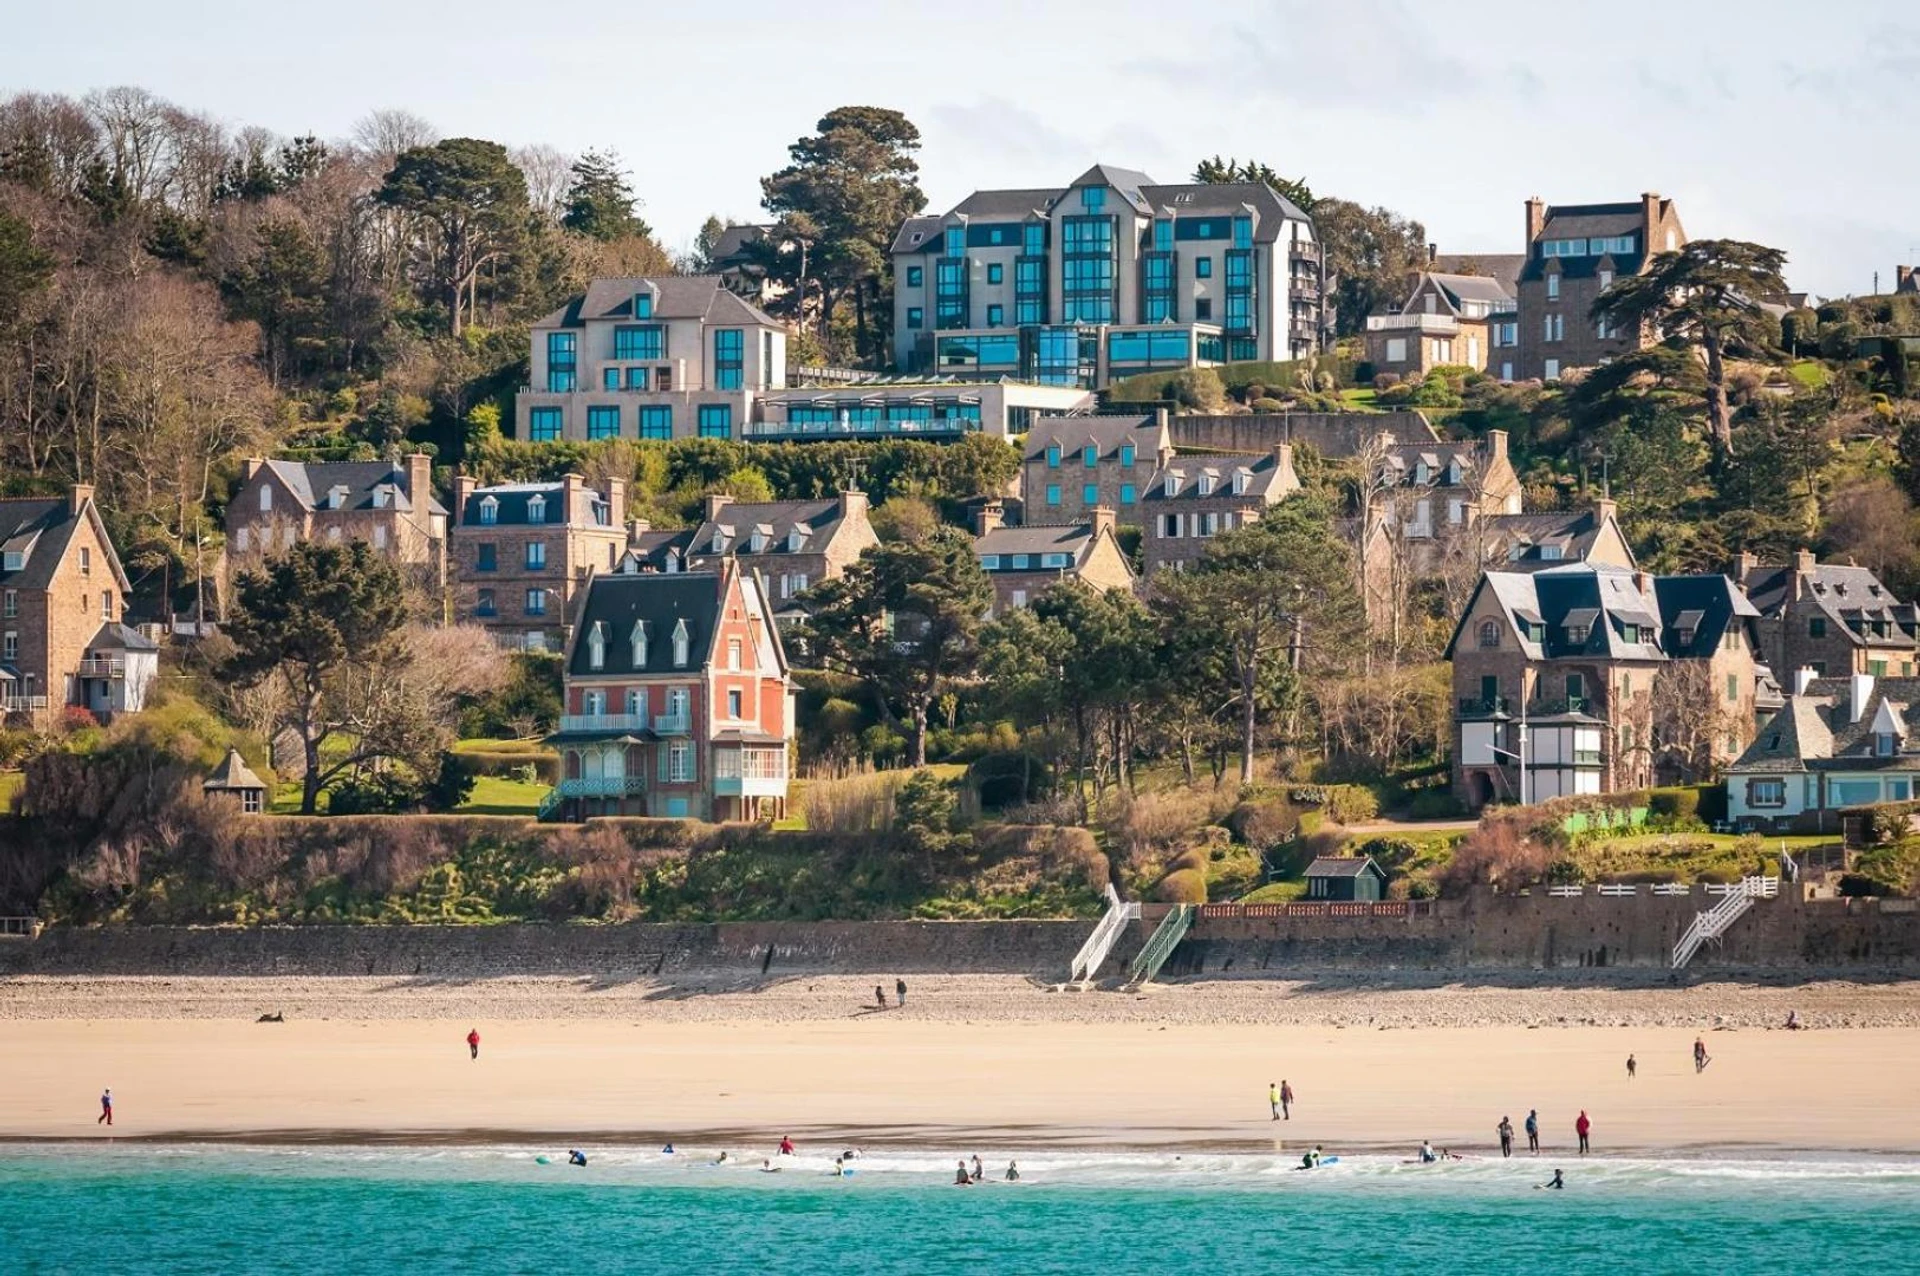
(1163, 235)
(1065, 356)
(1087, 270)
(729, 358)
(1158, 303)
(1093, 198)
(1033, 239)
(973, 352)
(609, 378)
(956, 241)
(1239, 317)
(1618, 245)
(562, 364)
(996, 273)
(1030, 289)
(603, 423)
(639, 341)
(543, 425)
(656, 422)
(950, 294)
(1148, 347)
(1243, 232)
(716, 421)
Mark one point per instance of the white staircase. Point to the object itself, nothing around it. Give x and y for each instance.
(1714, 922)
(1093, 954)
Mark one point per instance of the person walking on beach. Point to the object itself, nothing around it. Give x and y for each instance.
(1273, 1099)
(473, 1043)
(880, 996)
(1505, 1131)
(1533, 1131)
(900, 993)
(1700, 1058)
(1286, 1100)
(1580, 1127)
(1632, 1067)
(106, 1109)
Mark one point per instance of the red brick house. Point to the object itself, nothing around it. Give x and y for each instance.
(678, 701)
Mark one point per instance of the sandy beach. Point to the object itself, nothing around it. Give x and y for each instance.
(974, 1060)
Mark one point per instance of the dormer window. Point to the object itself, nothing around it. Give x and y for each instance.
(1172, 485)
(1421, 474)
(794, 541)
(1453, 474)
(1126, 454)
(1884, 744)
(1090, 455)
(1053, 456)
(643, 305)
(337, 498)
(1240, 481)
(1549, 552)
(719, 540)
(382, 497)
(536, 509)
(1577, 635)
(680, 643)
(1630, 633)
(597, 646)
(673, 564)
(1685, 636)
(638, 638)
(1206, 485)
(489, 510)
(758, 543)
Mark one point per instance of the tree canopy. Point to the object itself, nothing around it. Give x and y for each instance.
(600, 202)
(474, 197)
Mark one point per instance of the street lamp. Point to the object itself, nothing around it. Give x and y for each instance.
(1520, 758)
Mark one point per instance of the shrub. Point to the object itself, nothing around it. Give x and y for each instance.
(857, 804)
(1386, 381)
(1351, 804)
(1434, 804)
(1307, 795)
(1199, 390)
(1499, 853)
(1267, 405)
(1676, 806)
(1182, 887)
(925, 801)
(1262, 823)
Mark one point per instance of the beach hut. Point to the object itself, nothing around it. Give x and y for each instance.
(1346, 877)
(235, 778)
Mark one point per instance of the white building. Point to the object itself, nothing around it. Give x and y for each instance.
(1836, 743)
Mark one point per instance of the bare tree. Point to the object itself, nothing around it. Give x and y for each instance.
(137, 133)
(382, 135)
(1685, 719)
(549, 173)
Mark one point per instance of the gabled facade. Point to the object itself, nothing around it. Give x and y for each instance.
(1427, 515)
(1073, 463)
(1193, 498)
(1024, 562)
(673, 357)
(62, 593)
(1559, 665)
(677, 700)
(1444, 322)
(1837, 743)
(1574, 253)
(1833, 618)
(790, 546)
(1110, 275)
(521, 550)
(390, 507)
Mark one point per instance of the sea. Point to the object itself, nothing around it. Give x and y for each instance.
(307, 1210)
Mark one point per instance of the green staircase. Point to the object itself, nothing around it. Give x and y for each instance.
(1172, 929)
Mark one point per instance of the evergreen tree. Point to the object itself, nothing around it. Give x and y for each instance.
(600, 202)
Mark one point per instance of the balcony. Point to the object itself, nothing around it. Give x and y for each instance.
(602, 786)
(673, 724)
(22, 704)
(1303, 250)
(1569, 704)
(937, 428)
(1306, 329)
(1305, 287)
(752, 773)
(586, 723)
(1484, 706)
(103, 667)
(1439, 325)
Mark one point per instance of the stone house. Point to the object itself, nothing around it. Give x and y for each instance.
(1444, 322)
(1023, 562)
(1559, 666)
(62, 594)
(521, 550)
(390, 507)
(1426, 510)
(1832, 618)
(1073, 463)
(677, 700)
(1193, 498)
(1574, 253)
(1835, 744)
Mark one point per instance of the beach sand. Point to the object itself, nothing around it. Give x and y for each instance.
(975, 1061)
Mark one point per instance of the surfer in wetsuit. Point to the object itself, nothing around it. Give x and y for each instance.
(1013, 1172)
(960, 1176)
(576, 1157)
(1557, 1182)
(1427, 1155)
(979, 1175)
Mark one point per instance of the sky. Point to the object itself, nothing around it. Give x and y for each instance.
(1768, 120)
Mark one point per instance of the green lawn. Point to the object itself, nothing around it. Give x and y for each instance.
(9, 785)
(496, 795)
(533, 748)
(1275, 893)
(1365, 399)
(1810, 373)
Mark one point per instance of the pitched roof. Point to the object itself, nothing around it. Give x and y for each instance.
(1473, 288)
(1820, 729)
(40, 529)
(1548, 538)
(914, 233)
(612, 604)
(1503, 268)
(1006, 203)
(734, 240)
(1403, 461)
(511, 499)
(1265, 479)
(1604, 600)
(232, 774)
(1073, 433)
(1075, 540)
(817, 522)
(311, 482)
(1697, 611)
(651, 550)
(1850, 596)
(1342, 866)
(702, 297)
(114, 636)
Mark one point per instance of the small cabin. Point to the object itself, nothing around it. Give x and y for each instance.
(234, 778)
(1346, 877)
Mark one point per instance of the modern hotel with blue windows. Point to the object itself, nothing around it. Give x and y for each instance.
(666, 358)
(1113, 275)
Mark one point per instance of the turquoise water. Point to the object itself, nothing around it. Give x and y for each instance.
(486, 1210)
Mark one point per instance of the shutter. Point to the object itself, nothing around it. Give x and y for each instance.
(660, 760)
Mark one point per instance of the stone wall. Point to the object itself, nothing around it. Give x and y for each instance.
(1333, 434)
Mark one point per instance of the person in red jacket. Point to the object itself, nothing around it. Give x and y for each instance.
(786, 1146)
(473, 1042)
(1580, 1127)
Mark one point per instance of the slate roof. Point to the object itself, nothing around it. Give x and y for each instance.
(1707, 606)
(1107, 433)
(816, 521)
(1523, 539)
(734, 240)
(1558, 596)
(312, 481)
(1819, 731)
(1585, 221)
(1403, 460)
(232, 775)
(511, 499)
(1852, 597)
(914, 234)
(1342, 866)
(1265, 479)
(649, 551)
(1504, 268)
(1075, 540)
(41, 529)
(702, 297)
(114, 636)
(615, 602)
(1006, 203)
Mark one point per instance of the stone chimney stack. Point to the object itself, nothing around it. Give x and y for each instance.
(715, 503)
(419, 480)
(853, 500)
(1101, 517)
(250, 467)
(988, 516)
(1497, 445)
(572, 511)
(1744, 564)
(1650, 217)
(1804, 561)
(1536, 218)
(463, 485)
(1433, 253)
(1802, 679)
(78, 496)
(1604, 509)
(637, 528)
(616, 502)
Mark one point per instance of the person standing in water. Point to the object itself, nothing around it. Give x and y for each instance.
(106, 1109)
(1505, 1131)
(960, 1176)
(473, 1043)
(786, 1145)
(1557, 1183)
(1013, 1172)
(1580, 1127)
(1533, 1131)
(979, 1174)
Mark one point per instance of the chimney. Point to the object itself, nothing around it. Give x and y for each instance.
(1804, 561)
(1165, 449)
(716, 502)
(637, 528)
(1101, 519)
(852, 501)
(1604, 509)
(419, 480)
(1859, 692)
(1650, 217)
(1283, 465)
(78, 497)
(1744, 564)
(571, 486)
(1536, 219)
(463, 485)
(616, 502)
(1802, 679)
(250, 467)
(988, 516)
(1497, 445)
